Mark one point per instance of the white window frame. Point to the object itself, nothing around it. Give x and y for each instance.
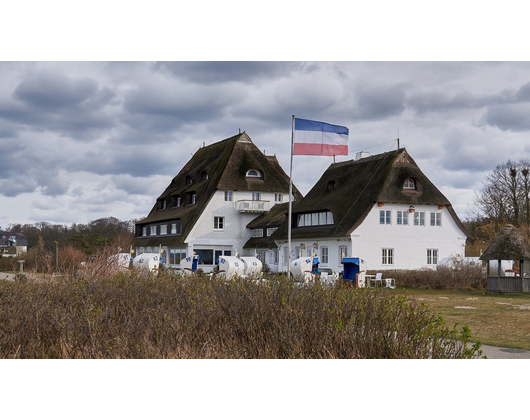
(402, 217)
(270, 231)
(437, 219)
(419, 218)
(163, 229)
(432, 256)
(218, 223)
(253, 173)
(409, 184)
(341, 248)
(152, 231)
(387, 217)
(144, 231)
(193, 198)
(278, 198)
(387, 256)
(256, 233)
(256, 196)
(324, 255)
(228, 196)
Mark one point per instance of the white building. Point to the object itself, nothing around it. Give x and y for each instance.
(207, 206)
(230, 198)
(381, 208)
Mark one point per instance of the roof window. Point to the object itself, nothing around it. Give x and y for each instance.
(331, 185)
(204, 176)
(255, 174)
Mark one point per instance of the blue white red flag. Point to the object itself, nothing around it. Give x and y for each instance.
(319, 138)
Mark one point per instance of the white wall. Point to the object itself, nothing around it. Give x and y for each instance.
(410, 242)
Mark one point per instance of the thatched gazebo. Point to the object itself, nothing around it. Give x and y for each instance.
(509, 244)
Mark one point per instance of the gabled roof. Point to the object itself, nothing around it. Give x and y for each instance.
(226, 164)
(509, 244)
(21, 239)
(273, 218)
(350, 189)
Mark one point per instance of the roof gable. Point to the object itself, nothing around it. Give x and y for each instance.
(350, 189)
(220, 166)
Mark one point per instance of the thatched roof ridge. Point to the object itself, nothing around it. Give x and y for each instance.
(350, 189)
(509, 244)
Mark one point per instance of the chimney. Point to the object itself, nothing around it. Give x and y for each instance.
(362, 155)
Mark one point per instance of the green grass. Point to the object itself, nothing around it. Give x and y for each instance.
(497, 319)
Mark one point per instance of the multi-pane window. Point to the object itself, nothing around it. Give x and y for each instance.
(274, 257)
(315, 219)
(218, 223)
(256, 196)
(419, 218)
(324, 255)
(163, 229)
(402, 217)
(270, 231)
(144, 231)
(385, 217)
(176, 255)
(432, 256)
(256, 233)
(436, 219)
(228, 195)
(278, 198)
(387, 256)
(153, 230)
(193, 198)
(409, 184)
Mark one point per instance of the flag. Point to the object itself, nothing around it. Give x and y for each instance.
(318, 138)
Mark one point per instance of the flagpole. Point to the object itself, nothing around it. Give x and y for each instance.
(290, 201)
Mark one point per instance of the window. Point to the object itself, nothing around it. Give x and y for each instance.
(261, 256)
(153, 230)
(315, 219)
(432, 256)
(387, 256)
(205, 256)
(188, 180)
(278, 198)
(204, 176)
(331, 185)
(384, 217)
(270, 231)
(144, 231)
(162, 204)
(324, 256)
(192, 198)
(163, 229)
(176, 255)
(436, 218)
(218, 223)
(175, 201)
(256, 233)
(419, 218)
(176, 228)
(256, 196)
(409, 184)
(228, 196)
(402, 217)
(274, 257)
(141, 250)
(254, 173)
(343, 252)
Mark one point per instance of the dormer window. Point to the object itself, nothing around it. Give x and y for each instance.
(188, 180)
(254, 174)
(204, 176)
(192, 196)
(175, 201)
(409, 184)
(331, 185)
(162, 204)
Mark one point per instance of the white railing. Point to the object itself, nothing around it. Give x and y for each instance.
(252, 206)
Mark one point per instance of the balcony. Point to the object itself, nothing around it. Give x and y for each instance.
(253, 206)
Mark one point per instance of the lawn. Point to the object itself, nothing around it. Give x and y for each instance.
(494, 319)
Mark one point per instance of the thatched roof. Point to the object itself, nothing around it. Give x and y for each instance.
(358, 185)
(220, 166)
(509, 244)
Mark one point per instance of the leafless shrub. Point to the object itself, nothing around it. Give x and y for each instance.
(464, 276)
(129, 315)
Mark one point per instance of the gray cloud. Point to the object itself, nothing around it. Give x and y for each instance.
(214, 72)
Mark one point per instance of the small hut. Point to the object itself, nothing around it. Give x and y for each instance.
(509, 244)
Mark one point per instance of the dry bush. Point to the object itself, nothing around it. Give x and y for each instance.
(133, 315)
(466, 277)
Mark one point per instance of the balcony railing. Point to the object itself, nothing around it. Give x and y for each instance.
(252, 206)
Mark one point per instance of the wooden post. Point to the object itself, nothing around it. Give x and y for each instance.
(499, 270)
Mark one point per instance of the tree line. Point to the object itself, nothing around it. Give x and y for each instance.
(90, 237)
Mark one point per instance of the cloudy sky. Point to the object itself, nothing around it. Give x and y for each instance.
(84, 140)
